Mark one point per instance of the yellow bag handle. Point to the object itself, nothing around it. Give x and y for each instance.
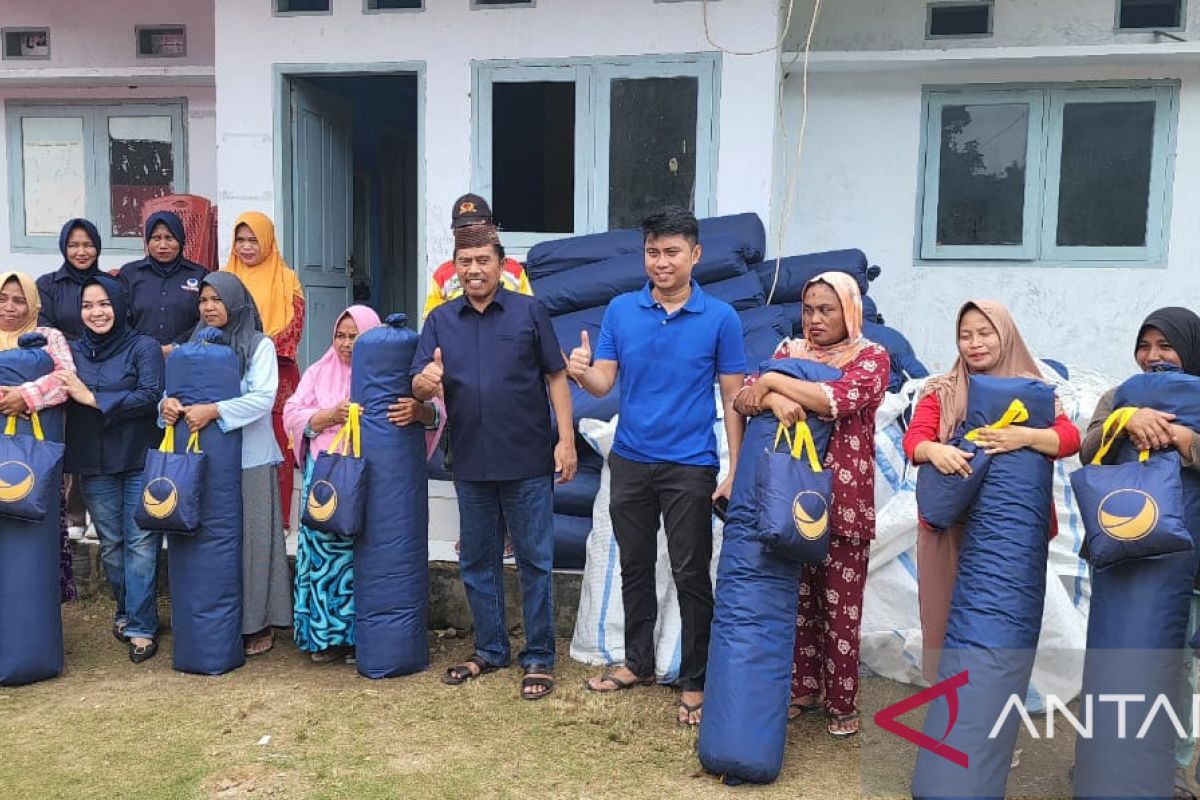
(349, 438)
(10, 427)
(800, 443)
(1015, 414)
(1114, 426)
(168, 442)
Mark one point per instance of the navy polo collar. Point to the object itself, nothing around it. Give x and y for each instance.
(464, 303)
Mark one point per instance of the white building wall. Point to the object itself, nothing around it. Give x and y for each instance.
(100, 35)
(93, 57)
(858, 188)
(900, 25)
(446, 38)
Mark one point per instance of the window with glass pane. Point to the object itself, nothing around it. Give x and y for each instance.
(1150, 14)
(1104, 180)
(141, 167)
(981, 174)
(533, 156)
(1063, 173)
(652, 147)
(52, 158)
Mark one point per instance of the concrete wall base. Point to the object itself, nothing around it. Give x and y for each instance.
(448, 607)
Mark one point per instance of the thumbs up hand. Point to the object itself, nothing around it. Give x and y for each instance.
(429, 381)
(581, 357)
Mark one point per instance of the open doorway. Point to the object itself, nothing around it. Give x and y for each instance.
(351, 195)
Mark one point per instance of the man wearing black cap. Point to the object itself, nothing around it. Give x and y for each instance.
(493, 355)
(471, 209)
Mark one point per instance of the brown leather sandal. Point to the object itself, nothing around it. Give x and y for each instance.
(460, 674)
(537, 675)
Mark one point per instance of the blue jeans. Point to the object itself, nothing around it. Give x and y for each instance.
(528, 507)
(128, 553)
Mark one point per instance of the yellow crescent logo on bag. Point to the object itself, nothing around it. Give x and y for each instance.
(16, 481)
(810, 525)
(322, 511)
(1127, 514)
(160, 509)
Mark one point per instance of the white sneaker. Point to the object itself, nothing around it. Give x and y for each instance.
(74, 532)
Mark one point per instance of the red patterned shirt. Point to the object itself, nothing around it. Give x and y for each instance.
(854, 399)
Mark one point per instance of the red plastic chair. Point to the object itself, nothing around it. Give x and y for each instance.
(199, 218)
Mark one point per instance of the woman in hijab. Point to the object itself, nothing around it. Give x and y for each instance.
(988, 344)
(20, 306)
(1169, 338)
(829, 614)
(312, 417)
(163, 286)
(110, 426)
(266, 586)
(257, 261)
(60, 292)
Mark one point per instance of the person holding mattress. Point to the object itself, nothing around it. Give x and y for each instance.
(226, 304)
(1168, 338)
(988, 344)
(829, 614)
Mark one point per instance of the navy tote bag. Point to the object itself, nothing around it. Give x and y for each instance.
(173, 487)
(793, 497)
(1133, 509)
(337, 494)
(29, 466)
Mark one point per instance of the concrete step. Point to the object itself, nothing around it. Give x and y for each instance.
(447, 600)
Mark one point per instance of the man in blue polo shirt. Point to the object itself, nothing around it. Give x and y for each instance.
(494, 354)
(669, 342)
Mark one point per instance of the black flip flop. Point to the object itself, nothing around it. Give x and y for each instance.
(689, 709)
(620, 684)
(460, 674)
(838, 719)
(804, 708)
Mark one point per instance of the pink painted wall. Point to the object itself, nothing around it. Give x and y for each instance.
(100, 34)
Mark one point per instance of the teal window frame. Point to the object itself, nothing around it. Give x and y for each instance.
(1043, 161)
(97, 193)
(593, 82)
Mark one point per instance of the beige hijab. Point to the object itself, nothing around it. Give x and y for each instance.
(1015, 362)
(841, 353)
(8, 339)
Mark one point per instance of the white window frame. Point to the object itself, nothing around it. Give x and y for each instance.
(1042, 166)
(593, 81)
(97, 192)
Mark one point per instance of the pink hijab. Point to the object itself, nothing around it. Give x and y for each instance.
(325, 384)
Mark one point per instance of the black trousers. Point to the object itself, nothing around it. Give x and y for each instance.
(682, 496)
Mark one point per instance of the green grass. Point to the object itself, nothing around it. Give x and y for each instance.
(108, 728)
